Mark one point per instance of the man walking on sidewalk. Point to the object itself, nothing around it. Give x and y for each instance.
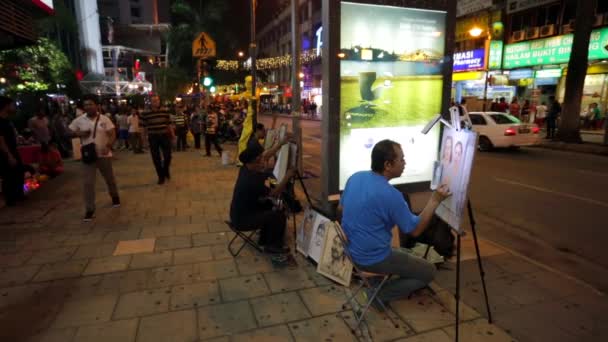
(554, 110)
(97, 129)
(211, 130)
(157, 122)
(181, 128)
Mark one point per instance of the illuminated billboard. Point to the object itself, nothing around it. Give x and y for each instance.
(391, 85)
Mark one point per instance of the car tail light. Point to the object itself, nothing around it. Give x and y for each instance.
(535, 130)
(510, 131)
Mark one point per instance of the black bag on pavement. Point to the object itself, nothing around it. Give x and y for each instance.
(88, 151)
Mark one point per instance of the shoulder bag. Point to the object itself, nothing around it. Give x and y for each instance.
(88, 151)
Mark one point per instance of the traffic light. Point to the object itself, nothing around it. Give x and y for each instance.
(207, 81)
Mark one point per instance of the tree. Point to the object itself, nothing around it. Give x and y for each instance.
(569, 127)
(172, 81)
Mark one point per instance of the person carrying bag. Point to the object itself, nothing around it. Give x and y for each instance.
(88, 151)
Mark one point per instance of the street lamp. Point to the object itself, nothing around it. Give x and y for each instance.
(475, 32)
(241, 54)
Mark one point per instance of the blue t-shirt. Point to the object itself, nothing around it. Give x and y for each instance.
(371, 208)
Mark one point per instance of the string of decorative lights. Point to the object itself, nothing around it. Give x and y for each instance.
(307, 56)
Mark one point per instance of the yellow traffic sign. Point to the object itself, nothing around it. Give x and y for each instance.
(203, 46)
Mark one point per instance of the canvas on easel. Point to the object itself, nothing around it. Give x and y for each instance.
(271, 137)
(280, 167)
(456, 159)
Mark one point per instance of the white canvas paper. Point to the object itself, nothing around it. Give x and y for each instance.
(270, 139)
(318, 237)
(280, 167)
(456, 158)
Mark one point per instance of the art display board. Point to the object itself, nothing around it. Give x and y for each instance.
(317, 237)
(391, 85)
(334, 263)
(304, 231)
(271, 137)
(455, 163)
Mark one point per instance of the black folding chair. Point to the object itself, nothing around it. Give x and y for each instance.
(246, 236)
(374, 287)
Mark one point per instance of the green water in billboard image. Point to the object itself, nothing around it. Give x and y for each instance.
(388, 102)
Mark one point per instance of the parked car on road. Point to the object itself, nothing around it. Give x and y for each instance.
(497, 129)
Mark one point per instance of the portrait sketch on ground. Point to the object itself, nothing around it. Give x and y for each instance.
(304, 233)
(317, 237)
(456, 158)
(334, 264)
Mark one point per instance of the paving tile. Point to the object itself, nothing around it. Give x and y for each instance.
(122, 282)
(323, 300)
(431, 336)
(135, 246)
(11, 296)
(380, 327)
(217, 226)
(177, 326)
(15, 259)
(279, 333)
(324, 328)
(280, 308)
(141, 303)
(17, 275)
(188, 229)
(423, 313)
(94, 251)
(175, 220)
(76, 288)
(115, 331)
(48, 256)
(225, 319)
(211, 270)
(512, 264)
(447, 300)
(60, 270)
(107, 264)
(192, 255)
(480, 331)
(194, 295)
(129, 234)
(555, 284)
(220, 252)
(173, 242)
(159, 231)
(251, 265)
(54, 335)
(288, 280)
(243, 287)
(84, 239)
(151, 260)
(86, 311)
(208, 239)
(172, 275)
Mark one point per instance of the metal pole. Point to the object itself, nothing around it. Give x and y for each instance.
(252, 53)
(295, 81)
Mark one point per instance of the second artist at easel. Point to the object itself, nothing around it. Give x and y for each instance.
(371, 207)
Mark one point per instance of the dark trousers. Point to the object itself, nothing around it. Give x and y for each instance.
(181, 133)
(212, 138)
(160, 143)
(271, 224)
(12, 182)
(197, 140)
(550, 127)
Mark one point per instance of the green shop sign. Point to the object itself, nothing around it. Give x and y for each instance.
(495, 58)
(554, 50)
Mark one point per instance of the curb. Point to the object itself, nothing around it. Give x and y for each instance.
(588, 148)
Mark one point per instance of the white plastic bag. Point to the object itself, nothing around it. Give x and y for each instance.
(226, 158)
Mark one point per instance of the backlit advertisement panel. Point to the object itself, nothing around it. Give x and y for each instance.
(390, 85)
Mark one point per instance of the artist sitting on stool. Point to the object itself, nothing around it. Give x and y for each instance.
(251, 207)
(371, 207)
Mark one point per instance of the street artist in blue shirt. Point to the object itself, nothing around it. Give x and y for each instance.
(371, 207)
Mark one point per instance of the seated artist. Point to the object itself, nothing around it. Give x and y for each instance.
(371, 207)
(259, 134)
(251, 207)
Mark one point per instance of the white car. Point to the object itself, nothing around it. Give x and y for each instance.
(498, 129)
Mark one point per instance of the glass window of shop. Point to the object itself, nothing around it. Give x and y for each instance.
(594, 91)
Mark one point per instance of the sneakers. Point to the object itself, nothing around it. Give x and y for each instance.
(88, 217)
(115, 202)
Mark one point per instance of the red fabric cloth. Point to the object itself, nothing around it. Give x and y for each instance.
(29, 154)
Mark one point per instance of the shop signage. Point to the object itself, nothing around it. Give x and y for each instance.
(319, 43)
(546, 73)
(547, 81)
(467, 76)
(469, 60)
(520, 5)
(521, 73)
(554, 50)
(464, 7)
(495, 58)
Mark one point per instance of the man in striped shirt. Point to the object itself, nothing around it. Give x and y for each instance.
(181, 128)
(157, 123)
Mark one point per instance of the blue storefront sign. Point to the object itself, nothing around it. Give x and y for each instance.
(520, 74)
(469, 60)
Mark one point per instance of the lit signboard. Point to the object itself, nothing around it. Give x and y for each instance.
(521, 74)
(547, 73)
(554, 50)
(469, 60)
(495, 57)
(390, 85)
(319, 44)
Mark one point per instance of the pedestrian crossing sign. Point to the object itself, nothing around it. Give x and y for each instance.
(203, 46)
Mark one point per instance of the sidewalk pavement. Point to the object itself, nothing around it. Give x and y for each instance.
(157, 269)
